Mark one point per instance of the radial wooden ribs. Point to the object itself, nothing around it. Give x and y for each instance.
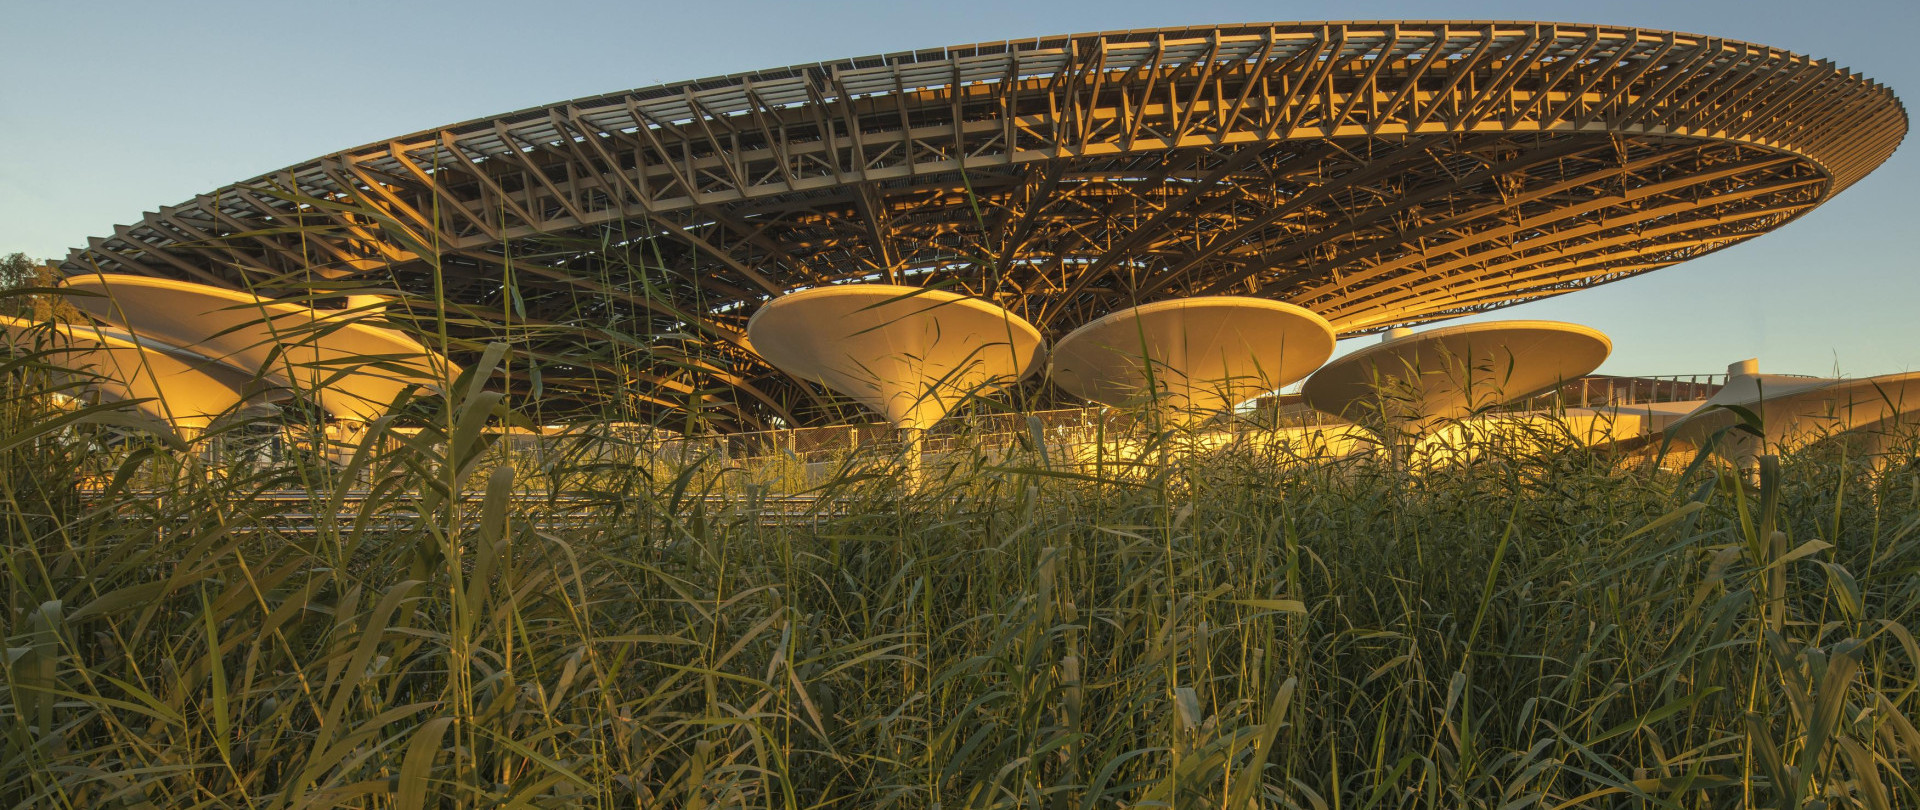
(1377, 173)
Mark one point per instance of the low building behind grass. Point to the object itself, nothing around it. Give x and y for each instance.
(1182, 624)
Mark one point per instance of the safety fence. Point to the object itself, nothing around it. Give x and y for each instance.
(791, 459)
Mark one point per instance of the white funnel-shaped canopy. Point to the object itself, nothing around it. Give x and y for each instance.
(1419, 380)
(1796, 411)
(1193, 357)
(178, 387)
(909, 354)
(353, 369)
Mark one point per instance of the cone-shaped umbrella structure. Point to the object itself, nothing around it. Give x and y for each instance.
(1795, 411)
(351, 368)
(1192, 357)
(184, 390)
(909, 354)
(1413, 382)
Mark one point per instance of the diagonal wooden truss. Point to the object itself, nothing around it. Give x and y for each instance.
(1379, 173)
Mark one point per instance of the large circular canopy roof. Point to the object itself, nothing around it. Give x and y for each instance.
(1377, 173)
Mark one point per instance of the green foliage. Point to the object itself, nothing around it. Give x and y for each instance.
(1538, 627)
(23, 282)
(16, 270)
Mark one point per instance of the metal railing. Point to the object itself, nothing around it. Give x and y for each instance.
(1600, 391)
(1273, 412)
(614, 445)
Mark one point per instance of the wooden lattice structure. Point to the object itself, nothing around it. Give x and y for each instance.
(1378, 173)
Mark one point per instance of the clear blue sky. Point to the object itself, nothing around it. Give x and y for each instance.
(112, 109)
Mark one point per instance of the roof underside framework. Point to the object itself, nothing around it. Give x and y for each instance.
(1379, 174)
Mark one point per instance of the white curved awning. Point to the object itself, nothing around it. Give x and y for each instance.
(1797, 411)
(178, 387)
(909, 354)
(1193, 356)
(352, 368)
(1419, 380)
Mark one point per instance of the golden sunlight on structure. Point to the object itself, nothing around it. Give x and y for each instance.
(1794, 412)
(352, 368)
(1411, 383)
(185, 391)
(906, 353)
(1192, 358)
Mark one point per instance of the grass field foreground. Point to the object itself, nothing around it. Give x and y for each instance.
(1549, 627)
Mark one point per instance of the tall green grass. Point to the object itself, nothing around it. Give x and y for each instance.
(1543, 626)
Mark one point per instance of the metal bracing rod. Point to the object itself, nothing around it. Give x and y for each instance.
(1550, 154)
(1516, 274)
(1411, 152)
(1561, 276)
(1579, 212)
(1576, 213)
(1197, 191)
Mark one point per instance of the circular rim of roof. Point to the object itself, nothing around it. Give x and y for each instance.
(1846, 156)
(1283, 377)
(1342, 370)
(1157, 36)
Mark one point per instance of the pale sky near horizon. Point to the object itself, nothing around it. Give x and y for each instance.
(113, 109)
